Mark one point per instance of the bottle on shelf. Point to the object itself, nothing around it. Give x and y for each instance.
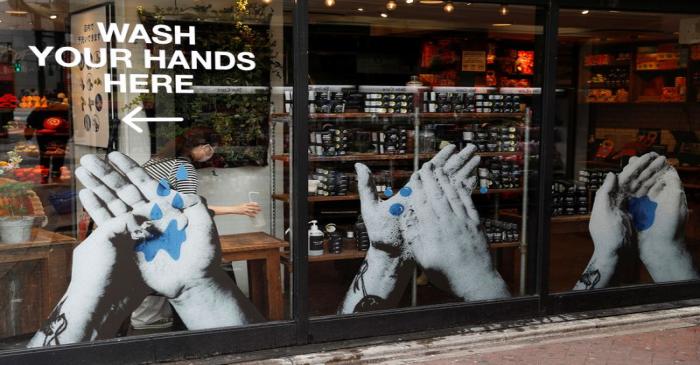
(315, 238)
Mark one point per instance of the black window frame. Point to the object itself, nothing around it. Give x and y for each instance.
(302, 329)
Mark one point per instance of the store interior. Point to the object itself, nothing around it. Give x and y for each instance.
(471, 77)
(390, 84)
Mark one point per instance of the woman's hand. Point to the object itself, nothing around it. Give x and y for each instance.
(248, 209)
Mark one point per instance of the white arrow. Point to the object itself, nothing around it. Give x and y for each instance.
(129, 119)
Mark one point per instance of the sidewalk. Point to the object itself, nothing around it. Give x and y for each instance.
(661, 337)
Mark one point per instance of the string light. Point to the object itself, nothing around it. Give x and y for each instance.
(391, 5)
(329, 3)
(449, 7)
(503, 10)
(409, 1)
(384, 15)
(585, 12)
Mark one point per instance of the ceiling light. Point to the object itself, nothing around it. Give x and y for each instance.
(360, 9)
(16, 12)
(503, 10)
(585, 12)
(52, 17)
(384, 15)
(501, 24)
(329, 3)
(409, 1)
(267, 2)
(449, 7)
(391, 5)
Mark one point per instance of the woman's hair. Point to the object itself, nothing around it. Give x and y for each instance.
(183, 144)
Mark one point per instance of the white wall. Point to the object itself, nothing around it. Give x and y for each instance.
(229, 187)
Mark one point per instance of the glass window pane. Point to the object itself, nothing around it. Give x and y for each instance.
(175, 229)
(396, 86)
(624, 195)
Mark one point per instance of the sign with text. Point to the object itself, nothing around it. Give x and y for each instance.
(473, 61)
(90, 103)
(96, 54)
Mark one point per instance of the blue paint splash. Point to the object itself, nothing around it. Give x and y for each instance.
(181, 173)
(163, 188)
(405, 191)
(643, 212)
(156, 213)
(396, 209)
(388, 192)
(171, 241)
(178, 202)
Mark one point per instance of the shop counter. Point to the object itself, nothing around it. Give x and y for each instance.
(33, 277)
(262, 253)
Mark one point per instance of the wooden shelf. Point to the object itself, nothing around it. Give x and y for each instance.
(354, 254)
(348, 197)
(615, 64)
(498, 245)
(285, 117)
(688, 168)
(347, 254)
(319, 198)
(384, 157)
(513, 214)
(571, 218)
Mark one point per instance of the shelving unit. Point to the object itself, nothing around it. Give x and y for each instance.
(320, 198)
(397, 168)
(285, 117)
(352, 253)
(359, 119)
(383, 157)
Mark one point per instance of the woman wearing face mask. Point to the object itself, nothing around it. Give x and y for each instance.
(196, 145)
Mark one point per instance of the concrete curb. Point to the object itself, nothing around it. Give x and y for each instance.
(481, 339)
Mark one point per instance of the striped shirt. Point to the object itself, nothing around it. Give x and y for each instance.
(178, 172)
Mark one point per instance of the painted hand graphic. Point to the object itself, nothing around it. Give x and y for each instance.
(184, 245)
(610, 225)
(644, 203)
(442, 229)
(610, 228)
(106, 284)
(396, 228)
(382, 218)
(657, 205)
(388, 264)
(181, 257)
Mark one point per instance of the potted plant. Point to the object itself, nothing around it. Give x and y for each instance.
(15, 222)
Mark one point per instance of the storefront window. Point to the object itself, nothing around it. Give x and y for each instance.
(421, 148)
(625, 195)
(136, 171)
